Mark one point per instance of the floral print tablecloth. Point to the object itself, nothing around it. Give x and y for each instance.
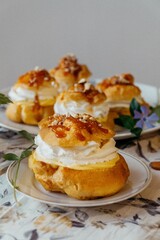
(133, 219)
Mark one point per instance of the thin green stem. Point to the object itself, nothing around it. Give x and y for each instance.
(30, 146)
(15, 180)
(16, 175)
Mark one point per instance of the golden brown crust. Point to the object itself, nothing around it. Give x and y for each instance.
(13, 112)
(69, 131)
(27, 113)
(121, 92)
(122, 79)
(36, 79)
(119, 88)
(69, 71)
(82, 90)
(81, 184)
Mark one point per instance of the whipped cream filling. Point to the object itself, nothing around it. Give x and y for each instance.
(125, 104)
(84, 155)
(119, 104)
(72, 107)
(23, 94)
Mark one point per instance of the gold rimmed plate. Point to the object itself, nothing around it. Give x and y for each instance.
(140, 177)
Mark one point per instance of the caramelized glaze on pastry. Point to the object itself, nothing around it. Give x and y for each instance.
(69, 71)
(120, 88)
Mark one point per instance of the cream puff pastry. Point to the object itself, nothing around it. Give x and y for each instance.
(69, 71)
(33, 97)
(120, 90)
(77, 156)
(81, 98)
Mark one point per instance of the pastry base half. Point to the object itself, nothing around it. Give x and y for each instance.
(25, 113)
(82, 184)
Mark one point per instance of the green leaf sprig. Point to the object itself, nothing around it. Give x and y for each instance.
(4, 99)
(24, 154)
(27, 135)
(128, 121)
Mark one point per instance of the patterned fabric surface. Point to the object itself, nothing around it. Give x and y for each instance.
(132, 219)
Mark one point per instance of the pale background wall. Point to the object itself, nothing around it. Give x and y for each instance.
(110, 36)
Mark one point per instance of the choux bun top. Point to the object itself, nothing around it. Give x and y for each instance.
(122, 79)
(119, 87)
(35, 79)
(69, 71)
(69, 64)
(70, 131)
(82, 90)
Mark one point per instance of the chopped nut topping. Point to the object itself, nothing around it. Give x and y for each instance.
(70, 64)
(36, 77)
(75, 115)
(37, 68)
(83, 86)
(46, 78)
(126, 79)
(83, 80)
(77, 125)
(87, 86)
(58, 119)
(88, 91)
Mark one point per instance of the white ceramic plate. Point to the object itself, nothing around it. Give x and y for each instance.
(124, 134)
(139, 179)
(5, 122)
(150, 93)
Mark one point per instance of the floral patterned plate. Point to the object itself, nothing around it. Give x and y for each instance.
(139, 179)
(150, 93)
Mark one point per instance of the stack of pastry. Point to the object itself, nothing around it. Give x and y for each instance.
(119, 90)
(77, 156)
(33, 97)
(81, 98)
(69, 71)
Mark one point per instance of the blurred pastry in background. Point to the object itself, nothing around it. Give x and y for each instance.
(69, 71)
(77, 156)
(81, 98)
(33, 97)
(120, 90)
